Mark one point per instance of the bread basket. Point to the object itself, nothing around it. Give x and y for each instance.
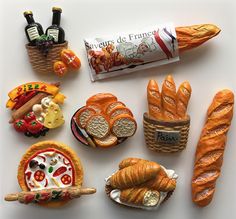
(44, 64)
(166, 136)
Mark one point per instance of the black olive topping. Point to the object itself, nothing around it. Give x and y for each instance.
(33, 163)
(42, 166)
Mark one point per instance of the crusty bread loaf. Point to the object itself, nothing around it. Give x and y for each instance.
(83, 115)
(98, 126)
(168, 95)
(123, 126)
(134, 175)
(154, 100)
(210, 148)
(102, 99)
(183, 96)
(108, 141)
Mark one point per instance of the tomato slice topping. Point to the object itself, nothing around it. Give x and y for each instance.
(66, 179)
(39, 175)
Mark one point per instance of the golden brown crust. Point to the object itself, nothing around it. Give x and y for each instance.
(183, 96)
(154, 100)
(45, 145)
(134, 175)
(168, 96)
(103, 99)
(112, 105)
(133, 195)
(129, 162)
(106, 142)
(119, 110)
(210, 148)
(193, 36)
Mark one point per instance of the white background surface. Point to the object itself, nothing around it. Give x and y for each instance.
(208, 68)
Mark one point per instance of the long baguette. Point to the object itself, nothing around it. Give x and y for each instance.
(193, 36)
(183, 96)
(210, 148)
(168, 95)
(154, 100)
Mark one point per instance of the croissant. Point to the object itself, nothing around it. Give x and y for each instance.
(140, 196)
(129, 162)
(161, 182)
(134, 175)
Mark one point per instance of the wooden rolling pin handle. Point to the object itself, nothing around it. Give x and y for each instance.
(11, 197)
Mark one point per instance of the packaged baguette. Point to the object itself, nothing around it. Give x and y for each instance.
(120, 54)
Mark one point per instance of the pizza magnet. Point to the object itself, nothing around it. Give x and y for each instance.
(36, 108)
(50, 174)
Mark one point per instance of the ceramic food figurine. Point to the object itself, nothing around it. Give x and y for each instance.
(103, 122)
(166, 124)
(49, 174)
(48, 52)
(137, 50)
(36, 108)
(210, 148)
(141, 184)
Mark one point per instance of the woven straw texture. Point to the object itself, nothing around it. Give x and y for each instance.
(151, 126)
(42, 64)
(108, 190)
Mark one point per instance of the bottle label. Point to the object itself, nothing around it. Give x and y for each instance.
(33, 33)
(54, 33)
(167, 137)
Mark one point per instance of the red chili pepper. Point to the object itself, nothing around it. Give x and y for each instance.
(162, 45)
(59, 171)
(21, 100)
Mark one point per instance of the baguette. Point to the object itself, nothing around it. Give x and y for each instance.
(210, 148)
(183, 96)
(140, 196)
(168, 96)
(193, 36)
(154, 100)
(134, 175)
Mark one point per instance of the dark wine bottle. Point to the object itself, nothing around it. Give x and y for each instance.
(55, 30)
(33, 30)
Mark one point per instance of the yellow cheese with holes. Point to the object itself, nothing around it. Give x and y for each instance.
(53, 116)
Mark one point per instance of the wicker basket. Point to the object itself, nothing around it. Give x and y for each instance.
(166, 136)
(42, 64)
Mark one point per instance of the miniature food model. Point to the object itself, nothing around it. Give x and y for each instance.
(210, 149)
(35, 108)
(49, 174)
(141, 184)
(103, 122)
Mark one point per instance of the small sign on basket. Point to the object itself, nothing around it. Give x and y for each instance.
(167, 137)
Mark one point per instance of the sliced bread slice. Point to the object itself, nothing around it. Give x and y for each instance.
(98, 126)
(83, 115)
(123, 126)
(108, 141)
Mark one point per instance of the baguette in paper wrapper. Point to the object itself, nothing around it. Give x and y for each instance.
(151, 47)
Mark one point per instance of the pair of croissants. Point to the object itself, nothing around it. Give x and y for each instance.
(168, 104)
(138, 178)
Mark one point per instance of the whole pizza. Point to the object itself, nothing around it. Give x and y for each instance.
(49, 165)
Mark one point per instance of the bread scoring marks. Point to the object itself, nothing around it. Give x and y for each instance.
(48, 169)
(167, 137)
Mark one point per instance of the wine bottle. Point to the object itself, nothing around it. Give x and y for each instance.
(33, 30)
(55, 30)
